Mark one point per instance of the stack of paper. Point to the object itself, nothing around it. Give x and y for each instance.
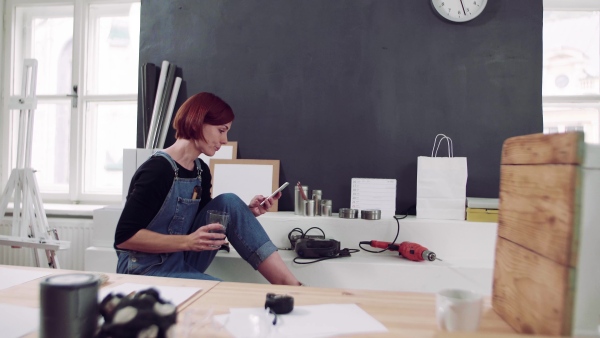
(374, 193)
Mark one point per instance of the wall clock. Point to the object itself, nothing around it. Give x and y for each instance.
(458, 10)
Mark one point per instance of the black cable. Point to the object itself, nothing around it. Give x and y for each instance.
(395, 238)
(343, 253)
(309, 229)
(294, 230)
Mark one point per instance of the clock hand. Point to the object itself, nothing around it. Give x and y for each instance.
(463, 7)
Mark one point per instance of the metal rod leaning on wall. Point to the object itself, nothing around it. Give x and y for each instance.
(155, 111)
(148, 87)
(164, 103)
(144, 89)
(167, 121)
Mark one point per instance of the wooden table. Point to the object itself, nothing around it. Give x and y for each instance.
(404, 314)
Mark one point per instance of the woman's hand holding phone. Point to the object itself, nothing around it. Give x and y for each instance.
(275, 193)
(260, 204)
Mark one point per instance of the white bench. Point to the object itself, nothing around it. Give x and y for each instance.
(466, 248)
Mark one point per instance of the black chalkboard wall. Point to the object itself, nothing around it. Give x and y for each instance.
(337, 89)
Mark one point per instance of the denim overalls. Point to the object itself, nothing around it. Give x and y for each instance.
(178, 214)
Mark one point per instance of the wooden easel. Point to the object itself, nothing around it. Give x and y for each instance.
(29, 223)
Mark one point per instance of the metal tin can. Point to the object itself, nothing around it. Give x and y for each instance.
(299, 201)
(348, 213)
(309, 208)
(370, 214)
(326, 208)
(316, 196)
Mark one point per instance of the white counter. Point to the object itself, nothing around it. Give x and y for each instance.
(466, 248)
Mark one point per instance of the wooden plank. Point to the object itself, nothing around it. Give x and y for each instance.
(565, 148)
(539, 209)
(404, 314)
(532, 293)
(27, 294)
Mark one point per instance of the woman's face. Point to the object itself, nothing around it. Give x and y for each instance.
(214, 138)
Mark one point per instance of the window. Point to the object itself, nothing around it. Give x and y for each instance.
(87, 53)
(571, 73)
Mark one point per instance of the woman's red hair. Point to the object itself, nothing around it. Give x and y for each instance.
(200, 109)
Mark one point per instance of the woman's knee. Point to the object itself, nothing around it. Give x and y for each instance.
(230, 199)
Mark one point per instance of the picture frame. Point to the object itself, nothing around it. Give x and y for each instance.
(245, 178)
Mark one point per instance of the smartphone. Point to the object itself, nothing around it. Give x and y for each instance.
(275, 192)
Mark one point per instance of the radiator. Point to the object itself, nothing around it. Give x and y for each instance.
(78, 231)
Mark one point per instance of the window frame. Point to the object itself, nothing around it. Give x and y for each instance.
(81, 19)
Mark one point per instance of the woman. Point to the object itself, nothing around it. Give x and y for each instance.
(162, 230)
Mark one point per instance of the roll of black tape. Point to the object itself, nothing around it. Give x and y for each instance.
(69, 306)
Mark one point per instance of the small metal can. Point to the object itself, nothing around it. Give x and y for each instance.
(316, 196)
(348, 213)
(309, 208)
(299, 201)
(370, 214)
(326, 208)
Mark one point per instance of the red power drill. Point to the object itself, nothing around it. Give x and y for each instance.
(408, 250)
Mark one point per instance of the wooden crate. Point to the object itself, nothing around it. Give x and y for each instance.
(549, 200)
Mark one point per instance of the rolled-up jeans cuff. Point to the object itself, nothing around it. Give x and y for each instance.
(261, 254)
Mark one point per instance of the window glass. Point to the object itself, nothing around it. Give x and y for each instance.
(571, 53)
(113, 43)
(78, 140)
(46, 34)
(109, 128)
(564, 119)
(50, 146)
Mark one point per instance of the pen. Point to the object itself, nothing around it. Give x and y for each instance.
(197, 190)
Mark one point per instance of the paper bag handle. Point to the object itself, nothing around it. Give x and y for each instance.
(437, 143)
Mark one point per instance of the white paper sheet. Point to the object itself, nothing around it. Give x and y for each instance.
(17, 321)
(244, 180)
(173, 294)
(324, 320)
(374, 193)
(12, 277)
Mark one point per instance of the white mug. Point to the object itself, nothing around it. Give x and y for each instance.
(458, 310)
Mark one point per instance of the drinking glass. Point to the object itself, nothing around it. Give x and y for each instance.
(218, 216)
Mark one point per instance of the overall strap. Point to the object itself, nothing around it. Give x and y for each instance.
(171, 161)
(198, 167)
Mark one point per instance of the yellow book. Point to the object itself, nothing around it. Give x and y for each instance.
(482, 215)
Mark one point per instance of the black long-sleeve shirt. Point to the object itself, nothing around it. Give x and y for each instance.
(148, 189)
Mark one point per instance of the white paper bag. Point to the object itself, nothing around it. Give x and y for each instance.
(441, 184)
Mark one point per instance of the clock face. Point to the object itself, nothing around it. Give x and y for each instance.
(458, 10)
